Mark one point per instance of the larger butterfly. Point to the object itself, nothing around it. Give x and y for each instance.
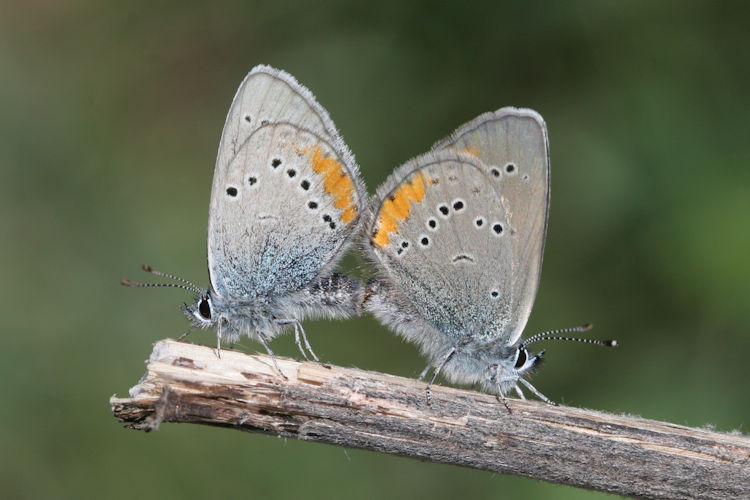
(457, 238)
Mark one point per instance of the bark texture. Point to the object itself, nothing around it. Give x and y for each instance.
(360, 409)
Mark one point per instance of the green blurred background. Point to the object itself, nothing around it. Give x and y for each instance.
(110, 116)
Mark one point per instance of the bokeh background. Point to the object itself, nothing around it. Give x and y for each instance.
(110, 117)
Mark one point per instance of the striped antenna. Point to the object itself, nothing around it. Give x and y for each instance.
(555, 335)
(183, 283)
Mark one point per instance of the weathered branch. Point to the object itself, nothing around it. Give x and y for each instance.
(354, 408)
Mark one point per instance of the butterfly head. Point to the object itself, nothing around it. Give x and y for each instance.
(516, 363)
(505, 371)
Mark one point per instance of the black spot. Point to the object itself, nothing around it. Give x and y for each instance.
(424, 241)
(479, 222)
(526, 177)
(264, 122)
(327, 218)
(248, 119)
(313, 205)
(432, 223)
(392, 198)
(275, 162)
(399, 251)
(443, 209)
(458, 205)
(405, 244)
(498, 228)
(291, 173)
(332, 225)
(452, 178)
(510, 168)
(495, 172)
(252, 180)
(305, 184)
(495, 294)
(232, 191)
(204, 309)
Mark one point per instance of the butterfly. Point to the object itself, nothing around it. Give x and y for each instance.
(286, 201)
(456, 236)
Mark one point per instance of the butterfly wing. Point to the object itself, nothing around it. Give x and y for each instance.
(439, 236)
(512, 144)
(286, 193)
(268, 95)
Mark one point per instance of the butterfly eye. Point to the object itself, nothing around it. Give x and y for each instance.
(204, 309)
(521, 358)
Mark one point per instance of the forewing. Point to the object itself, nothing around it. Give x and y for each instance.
(286, 194)
(268, 95)
(439, 235)
(513, 146)
(281, 213)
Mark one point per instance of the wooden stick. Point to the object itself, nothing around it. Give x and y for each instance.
(359, 409)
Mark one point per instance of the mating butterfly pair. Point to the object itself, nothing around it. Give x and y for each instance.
(456, 235)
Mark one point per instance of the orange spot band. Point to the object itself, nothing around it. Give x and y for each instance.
(336, 182)
(397, 208)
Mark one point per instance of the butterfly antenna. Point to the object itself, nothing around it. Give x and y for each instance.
(184, 284)
(556, 335)
(151, 270)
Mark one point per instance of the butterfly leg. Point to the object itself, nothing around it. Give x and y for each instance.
(297, 331)
(538, 394)
(500, 398)
(445, 359)
(297, 324)
(218, 340)
(294, 322)
(424, 372)
(520, 393)
(298, 342)
(264, 341)
(187, 333)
